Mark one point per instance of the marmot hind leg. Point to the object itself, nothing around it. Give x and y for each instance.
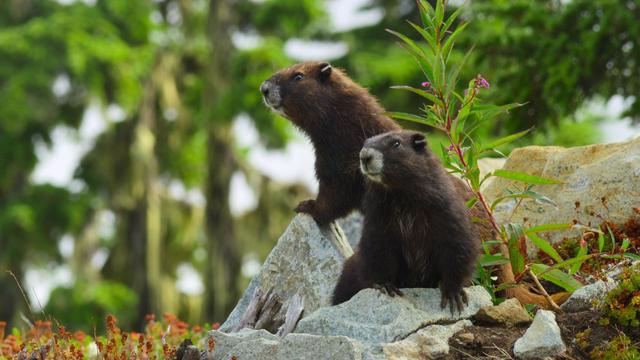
(350, 281)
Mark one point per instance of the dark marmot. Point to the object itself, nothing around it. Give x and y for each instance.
(417, 231)
(337, 115)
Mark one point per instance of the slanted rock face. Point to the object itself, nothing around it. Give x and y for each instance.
(599, 182)
(304, 261)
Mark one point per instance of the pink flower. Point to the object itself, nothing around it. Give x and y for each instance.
(426, 84)
(482, 82)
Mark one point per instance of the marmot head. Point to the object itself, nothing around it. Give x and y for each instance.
(398, 158)
(303, 91)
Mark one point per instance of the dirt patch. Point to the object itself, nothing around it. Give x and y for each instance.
(483, 342)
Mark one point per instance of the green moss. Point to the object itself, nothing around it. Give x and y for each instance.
(622, 304)
(620, 348)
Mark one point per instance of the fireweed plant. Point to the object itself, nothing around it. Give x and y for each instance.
(457, 115)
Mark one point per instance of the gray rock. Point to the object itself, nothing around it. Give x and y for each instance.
(589, 174)
(352, 227)
(585, 297)
(373, 317)
(542, 339)
(224, 343)
(431, 342)
(616, 269)
(304, 261)
(510, 313)
(250, 344)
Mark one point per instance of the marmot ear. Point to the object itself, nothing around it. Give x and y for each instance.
(418, 141)
(325, 70)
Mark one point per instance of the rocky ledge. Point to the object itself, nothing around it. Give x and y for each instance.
(285, 312)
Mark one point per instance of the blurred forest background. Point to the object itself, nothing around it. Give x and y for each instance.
(140, 172)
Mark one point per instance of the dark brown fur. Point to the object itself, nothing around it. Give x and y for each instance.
(337, 115)
(417, 231)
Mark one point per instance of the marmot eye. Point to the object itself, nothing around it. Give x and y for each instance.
(395, 144)
(298, 77)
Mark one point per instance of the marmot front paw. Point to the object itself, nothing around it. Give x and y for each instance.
(307, 207)
(455, 300)
(389, 289)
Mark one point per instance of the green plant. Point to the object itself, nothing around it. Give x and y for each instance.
(620, 348)
(457, 114)
(85, 305)
(622, 304)
(159, 340)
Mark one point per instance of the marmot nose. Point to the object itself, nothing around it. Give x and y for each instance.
(264, 88)
(365, 157)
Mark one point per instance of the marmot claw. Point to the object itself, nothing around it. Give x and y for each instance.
(455, 301)
(389, 289)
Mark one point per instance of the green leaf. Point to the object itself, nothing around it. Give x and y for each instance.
(412, 45)
(506, 139)
(492, 242)
(472, 202)
(544, 245)
(548, 227)
(413, 118)
(452, 79)
(489, 111)
(613, 238)
(431, 41)
(492, 260)
(516, 255)
(600, 242)
(572, 261)
(448, 44)
(418, 54)
(632, 256)
(426, 12)
(523, 177)
(439, 13)
(427, 95)
(452, 18)
(578, 264)
(556, 276)
(625, 244)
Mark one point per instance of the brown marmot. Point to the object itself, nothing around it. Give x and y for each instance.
(417, 231)
(337, 115)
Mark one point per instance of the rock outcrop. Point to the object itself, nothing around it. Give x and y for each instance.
(598, 182)
(371, 325)
(373, 317)
(303, 262)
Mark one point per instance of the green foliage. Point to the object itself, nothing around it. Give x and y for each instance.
(85, 305)
(541, 49)
(622, 304)
(160, 339)
(620, 348)
(458, 114)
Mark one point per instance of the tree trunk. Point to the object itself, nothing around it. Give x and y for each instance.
(223, 261)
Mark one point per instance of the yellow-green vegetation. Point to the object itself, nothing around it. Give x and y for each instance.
(621, 348)
(50, 340)
(623, 303)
